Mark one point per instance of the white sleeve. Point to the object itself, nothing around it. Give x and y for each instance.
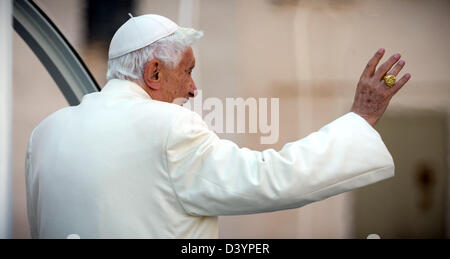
(213, 176)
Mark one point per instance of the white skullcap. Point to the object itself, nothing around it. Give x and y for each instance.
(139, 32)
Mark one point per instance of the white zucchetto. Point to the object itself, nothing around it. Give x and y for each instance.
(139, 32)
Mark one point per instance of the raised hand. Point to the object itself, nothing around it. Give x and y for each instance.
(372, 94)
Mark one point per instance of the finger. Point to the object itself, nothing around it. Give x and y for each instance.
(383, 69)
(397, 68)
(400, 83)
(372, 64)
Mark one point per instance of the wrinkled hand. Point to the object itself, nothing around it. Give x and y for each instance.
(372, 94)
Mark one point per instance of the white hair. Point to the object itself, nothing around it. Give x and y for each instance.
(168, 50)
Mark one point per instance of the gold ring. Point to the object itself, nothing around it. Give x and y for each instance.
(389, 80)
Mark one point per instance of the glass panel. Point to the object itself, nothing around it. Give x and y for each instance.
(53, 50)
(307, 53)
(89, 27)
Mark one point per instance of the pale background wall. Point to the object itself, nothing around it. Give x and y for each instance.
(308, 53)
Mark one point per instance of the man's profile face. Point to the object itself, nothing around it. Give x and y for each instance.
(173, 85)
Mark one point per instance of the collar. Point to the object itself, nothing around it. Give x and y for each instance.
(119, 85)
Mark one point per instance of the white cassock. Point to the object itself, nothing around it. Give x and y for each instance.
(121, 165)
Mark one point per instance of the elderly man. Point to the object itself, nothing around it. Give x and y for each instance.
(131, 162)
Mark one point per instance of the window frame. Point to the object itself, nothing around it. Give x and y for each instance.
(54, 51)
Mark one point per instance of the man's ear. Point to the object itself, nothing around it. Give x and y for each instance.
(152, 74)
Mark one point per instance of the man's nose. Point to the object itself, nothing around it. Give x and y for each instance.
(194, 89)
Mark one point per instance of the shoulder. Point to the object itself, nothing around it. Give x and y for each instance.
(56, 116)
(187, 119)
(171, 113)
